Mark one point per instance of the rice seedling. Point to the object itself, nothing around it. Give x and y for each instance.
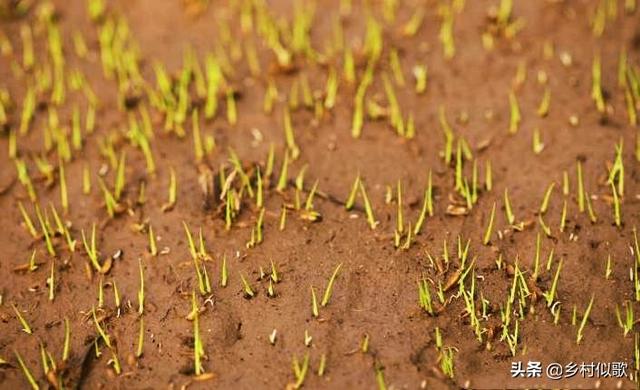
(515, 116)
(25, 179)
(351, 199)
(445, 357)
(616, 174)
(545, 200)
(425, 297)
(329, 288)
(224, 273)
(246, 287)
(608, 270)
(382, 385)
(427, 206)
(173, 189)
(115, 362)
(596, 84)
(141, 289)
(551, 293)
(289, 136)
(420, 72)
(92, 251)
(507, 208)
(101, 331)
(322, 366)
(67, 340)
(489, 230)
(543, 107)
(314, 303)
(282, 181)
(545, 228)
(446, 32)
(46, 232)
(538, 145)
(110, 202)
(153, 246)
(27, 373)
(364, 344)
(23, 322)
(563, 217)
(583, 323)
(300, 370)
(358, 111)
(616, 206)
(27, 220)
(307, 338)
(198, 347)
(367, 207)
(627, 323)
(51, 282)
(488, 178)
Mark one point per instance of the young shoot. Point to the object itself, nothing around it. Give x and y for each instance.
(489, 230)
(583, 323)
(507, 208)
(329, 289)
(23, 322)
(367, 206)
(173, 189)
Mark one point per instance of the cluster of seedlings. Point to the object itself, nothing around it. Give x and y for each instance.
(52, 118)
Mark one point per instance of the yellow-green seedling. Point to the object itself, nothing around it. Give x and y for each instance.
(329, 289)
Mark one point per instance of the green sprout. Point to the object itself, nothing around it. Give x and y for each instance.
(489, 230)
(289, 135)
(282, 181)
(367, 206)
(515, 116)
(628, 322)
(550, 295)
(616, 206)
(101, 332)
(351, 199)
(153, 247)
(300, 371)
(198, 352)
(543, 108)
(545, 201)
(446, 32)
(323, 365)
(445, 357)
(427, 206)
(25, 325)
(173, 189)
(488, 176)
(424, 296)
(115, 362)
(224, 274)
(507, 208)
(119, 183)
(246, 287)
(329, 289)
(583, 323)
(596, 85)
(90, 248)
(420, 73)
(51, 282)
(67, 340)
(27, 372)
(314, 303)
(141, 290)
